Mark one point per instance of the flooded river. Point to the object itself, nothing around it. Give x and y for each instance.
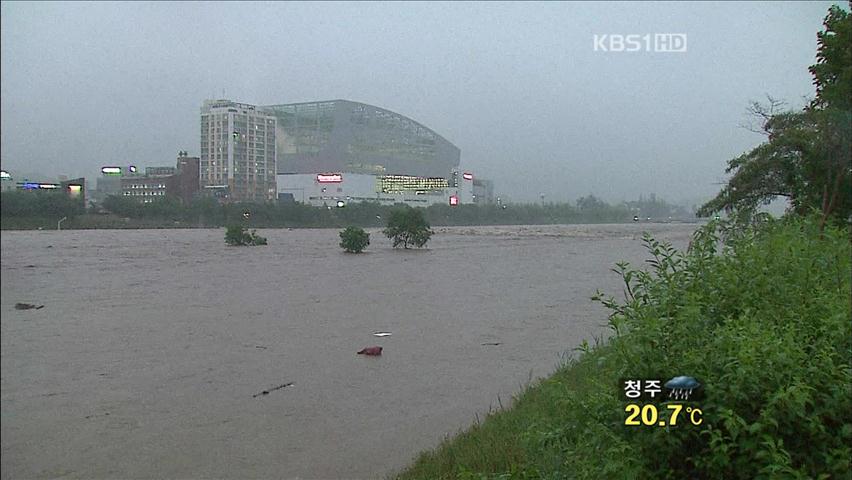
(153, 347)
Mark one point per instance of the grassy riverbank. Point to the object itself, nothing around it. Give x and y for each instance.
(761, 316)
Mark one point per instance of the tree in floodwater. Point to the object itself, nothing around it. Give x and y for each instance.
(354, 239)
(237, 236)
(407, 226)
(807, 157)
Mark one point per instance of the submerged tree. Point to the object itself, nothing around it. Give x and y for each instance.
(354, 239)
(238, 236)
(407, 226)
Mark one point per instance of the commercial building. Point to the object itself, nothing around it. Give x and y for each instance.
(330, 188)
(7, 182)
(74, 188)
(238, 143)
(340, 150)
(106, 185)
(483, 191)
(180, 182)
(341, 135)
(160, 171)
(187, 182)
(144, 188)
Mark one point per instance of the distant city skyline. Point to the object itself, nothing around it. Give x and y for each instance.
(520, 88)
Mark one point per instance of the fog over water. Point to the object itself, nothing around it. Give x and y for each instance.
(517, 86)
(151, 346)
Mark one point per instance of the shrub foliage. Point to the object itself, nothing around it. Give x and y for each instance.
(237, 235)
(766, 325)
(407, 227)
(354, 239)
(759, 313)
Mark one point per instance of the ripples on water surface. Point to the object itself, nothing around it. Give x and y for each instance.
(150, 347)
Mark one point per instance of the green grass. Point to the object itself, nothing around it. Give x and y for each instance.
(518, 436)
(761, 315)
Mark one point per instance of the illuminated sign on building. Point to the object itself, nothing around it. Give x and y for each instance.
(454, 200)
(4, 175)
(408, 183)
(467, 176)
(37, 186)
(111, 170)
(329, 177)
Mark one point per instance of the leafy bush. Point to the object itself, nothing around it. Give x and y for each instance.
(354, 239)
(238, 236)
(759, 313)
(407, 226)
(766, 326)
(257, 239)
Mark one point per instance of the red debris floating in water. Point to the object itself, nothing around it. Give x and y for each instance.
(371, 351)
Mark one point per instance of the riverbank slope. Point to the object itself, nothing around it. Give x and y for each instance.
(764, 324)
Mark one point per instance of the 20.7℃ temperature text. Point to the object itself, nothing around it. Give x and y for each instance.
(650, 414)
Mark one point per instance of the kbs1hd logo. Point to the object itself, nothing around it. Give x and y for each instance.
(634, 42)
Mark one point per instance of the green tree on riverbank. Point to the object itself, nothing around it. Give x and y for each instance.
(122, 212)
(40, 204)
(807, 157)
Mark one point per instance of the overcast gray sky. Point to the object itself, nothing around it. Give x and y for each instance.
(517, 86)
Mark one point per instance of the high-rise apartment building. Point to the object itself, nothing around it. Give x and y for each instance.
(237, 151)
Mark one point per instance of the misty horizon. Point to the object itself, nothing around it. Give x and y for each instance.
(519, 88)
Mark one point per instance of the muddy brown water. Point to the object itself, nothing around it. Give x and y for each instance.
(153, 348)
